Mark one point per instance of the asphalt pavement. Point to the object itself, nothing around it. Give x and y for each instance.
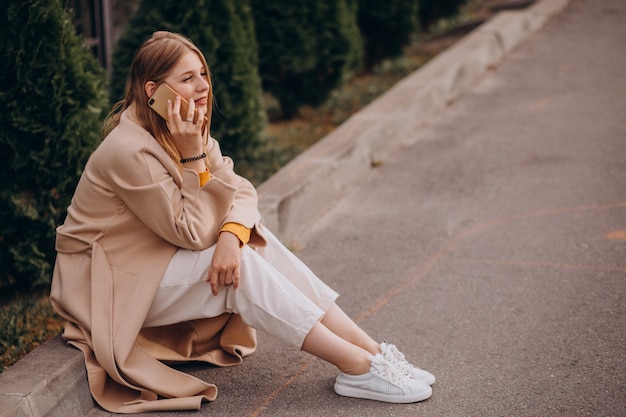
(489, 245)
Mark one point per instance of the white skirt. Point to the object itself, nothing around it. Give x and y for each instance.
(277, 292)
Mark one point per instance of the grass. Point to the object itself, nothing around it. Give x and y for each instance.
(28, 320)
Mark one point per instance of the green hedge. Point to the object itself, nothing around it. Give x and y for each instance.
(224, 32)
(430, 11)
(52, 96)
(307, 48)
(386, 27)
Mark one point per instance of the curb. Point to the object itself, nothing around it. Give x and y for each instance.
(51, 380)
(307, 186)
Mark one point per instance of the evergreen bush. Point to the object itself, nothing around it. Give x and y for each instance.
(224, 32)
(306, 48)
(430, 11)
(53, 98)
(386, 27)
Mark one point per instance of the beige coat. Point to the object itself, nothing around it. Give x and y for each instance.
(131, 211)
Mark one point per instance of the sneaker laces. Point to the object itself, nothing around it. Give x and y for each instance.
(387, 371)
(397, 357)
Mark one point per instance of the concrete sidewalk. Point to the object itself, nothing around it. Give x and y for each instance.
(489, 243)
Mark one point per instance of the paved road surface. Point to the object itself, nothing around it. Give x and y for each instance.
(491, 248)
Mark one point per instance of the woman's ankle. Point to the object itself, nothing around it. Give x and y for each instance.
(360, 368)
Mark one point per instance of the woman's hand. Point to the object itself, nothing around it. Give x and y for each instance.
(186, 133)
(224, 269)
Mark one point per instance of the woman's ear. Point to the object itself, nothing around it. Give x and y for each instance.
(150, 87)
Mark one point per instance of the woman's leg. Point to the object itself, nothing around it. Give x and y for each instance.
(298, 273)
(326, 345)
(265, 298)
(296, 311)
(302, 277)
(341, 324)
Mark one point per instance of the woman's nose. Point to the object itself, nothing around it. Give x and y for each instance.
(203, 85)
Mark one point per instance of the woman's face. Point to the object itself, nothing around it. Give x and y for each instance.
(190, 79)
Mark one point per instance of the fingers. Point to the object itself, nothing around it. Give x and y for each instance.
(173, 112)
(213, 280)
(190, 111)
(221, 278)
(175, 118)
(200, 121)
(236, 278)
(226, 262)
(170, 111)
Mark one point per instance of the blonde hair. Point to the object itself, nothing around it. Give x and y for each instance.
(153, 61)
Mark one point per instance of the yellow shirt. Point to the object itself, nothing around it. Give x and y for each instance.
(239, 230)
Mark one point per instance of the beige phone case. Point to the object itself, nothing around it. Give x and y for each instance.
(158, 102)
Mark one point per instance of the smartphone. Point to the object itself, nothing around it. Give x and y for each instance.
(158, 102)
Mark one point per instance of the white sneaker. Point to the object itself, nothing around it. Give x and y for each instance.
(396, 358)
(382, 383)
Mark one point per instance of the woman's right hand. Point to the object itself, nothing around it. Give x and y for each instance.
(186, 134)
(226, 262)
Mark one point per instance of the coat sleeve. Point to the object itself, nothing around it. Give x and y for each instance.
(244, 209)
(172, 204)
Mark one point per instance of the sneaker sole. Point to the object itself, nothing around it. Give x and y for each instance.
(379, 396)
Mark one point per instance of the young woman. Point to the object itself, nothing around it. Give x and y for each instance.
(163, 257)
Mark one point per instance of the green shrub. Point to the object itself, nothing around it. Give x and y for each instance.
(386, 27)
(430, 11)
(52, 96)
(223, 30)
(307, 48)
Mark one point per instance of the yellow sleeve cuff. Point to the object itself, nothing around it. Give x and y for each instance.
(204, 176)
(241, 231)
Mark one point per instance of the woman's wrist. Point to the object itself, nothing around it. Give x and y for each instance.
(188, 159)
(239, 230)
(195, 161)
(198, 165)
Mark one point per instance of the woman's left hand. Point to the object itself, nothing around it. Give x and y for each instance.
(224, 269)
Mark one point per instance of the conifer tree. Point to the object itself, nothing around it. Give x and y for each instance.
(430, 11)
(306, 48)
(386, 27)
(53, 101)
(224, 32)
